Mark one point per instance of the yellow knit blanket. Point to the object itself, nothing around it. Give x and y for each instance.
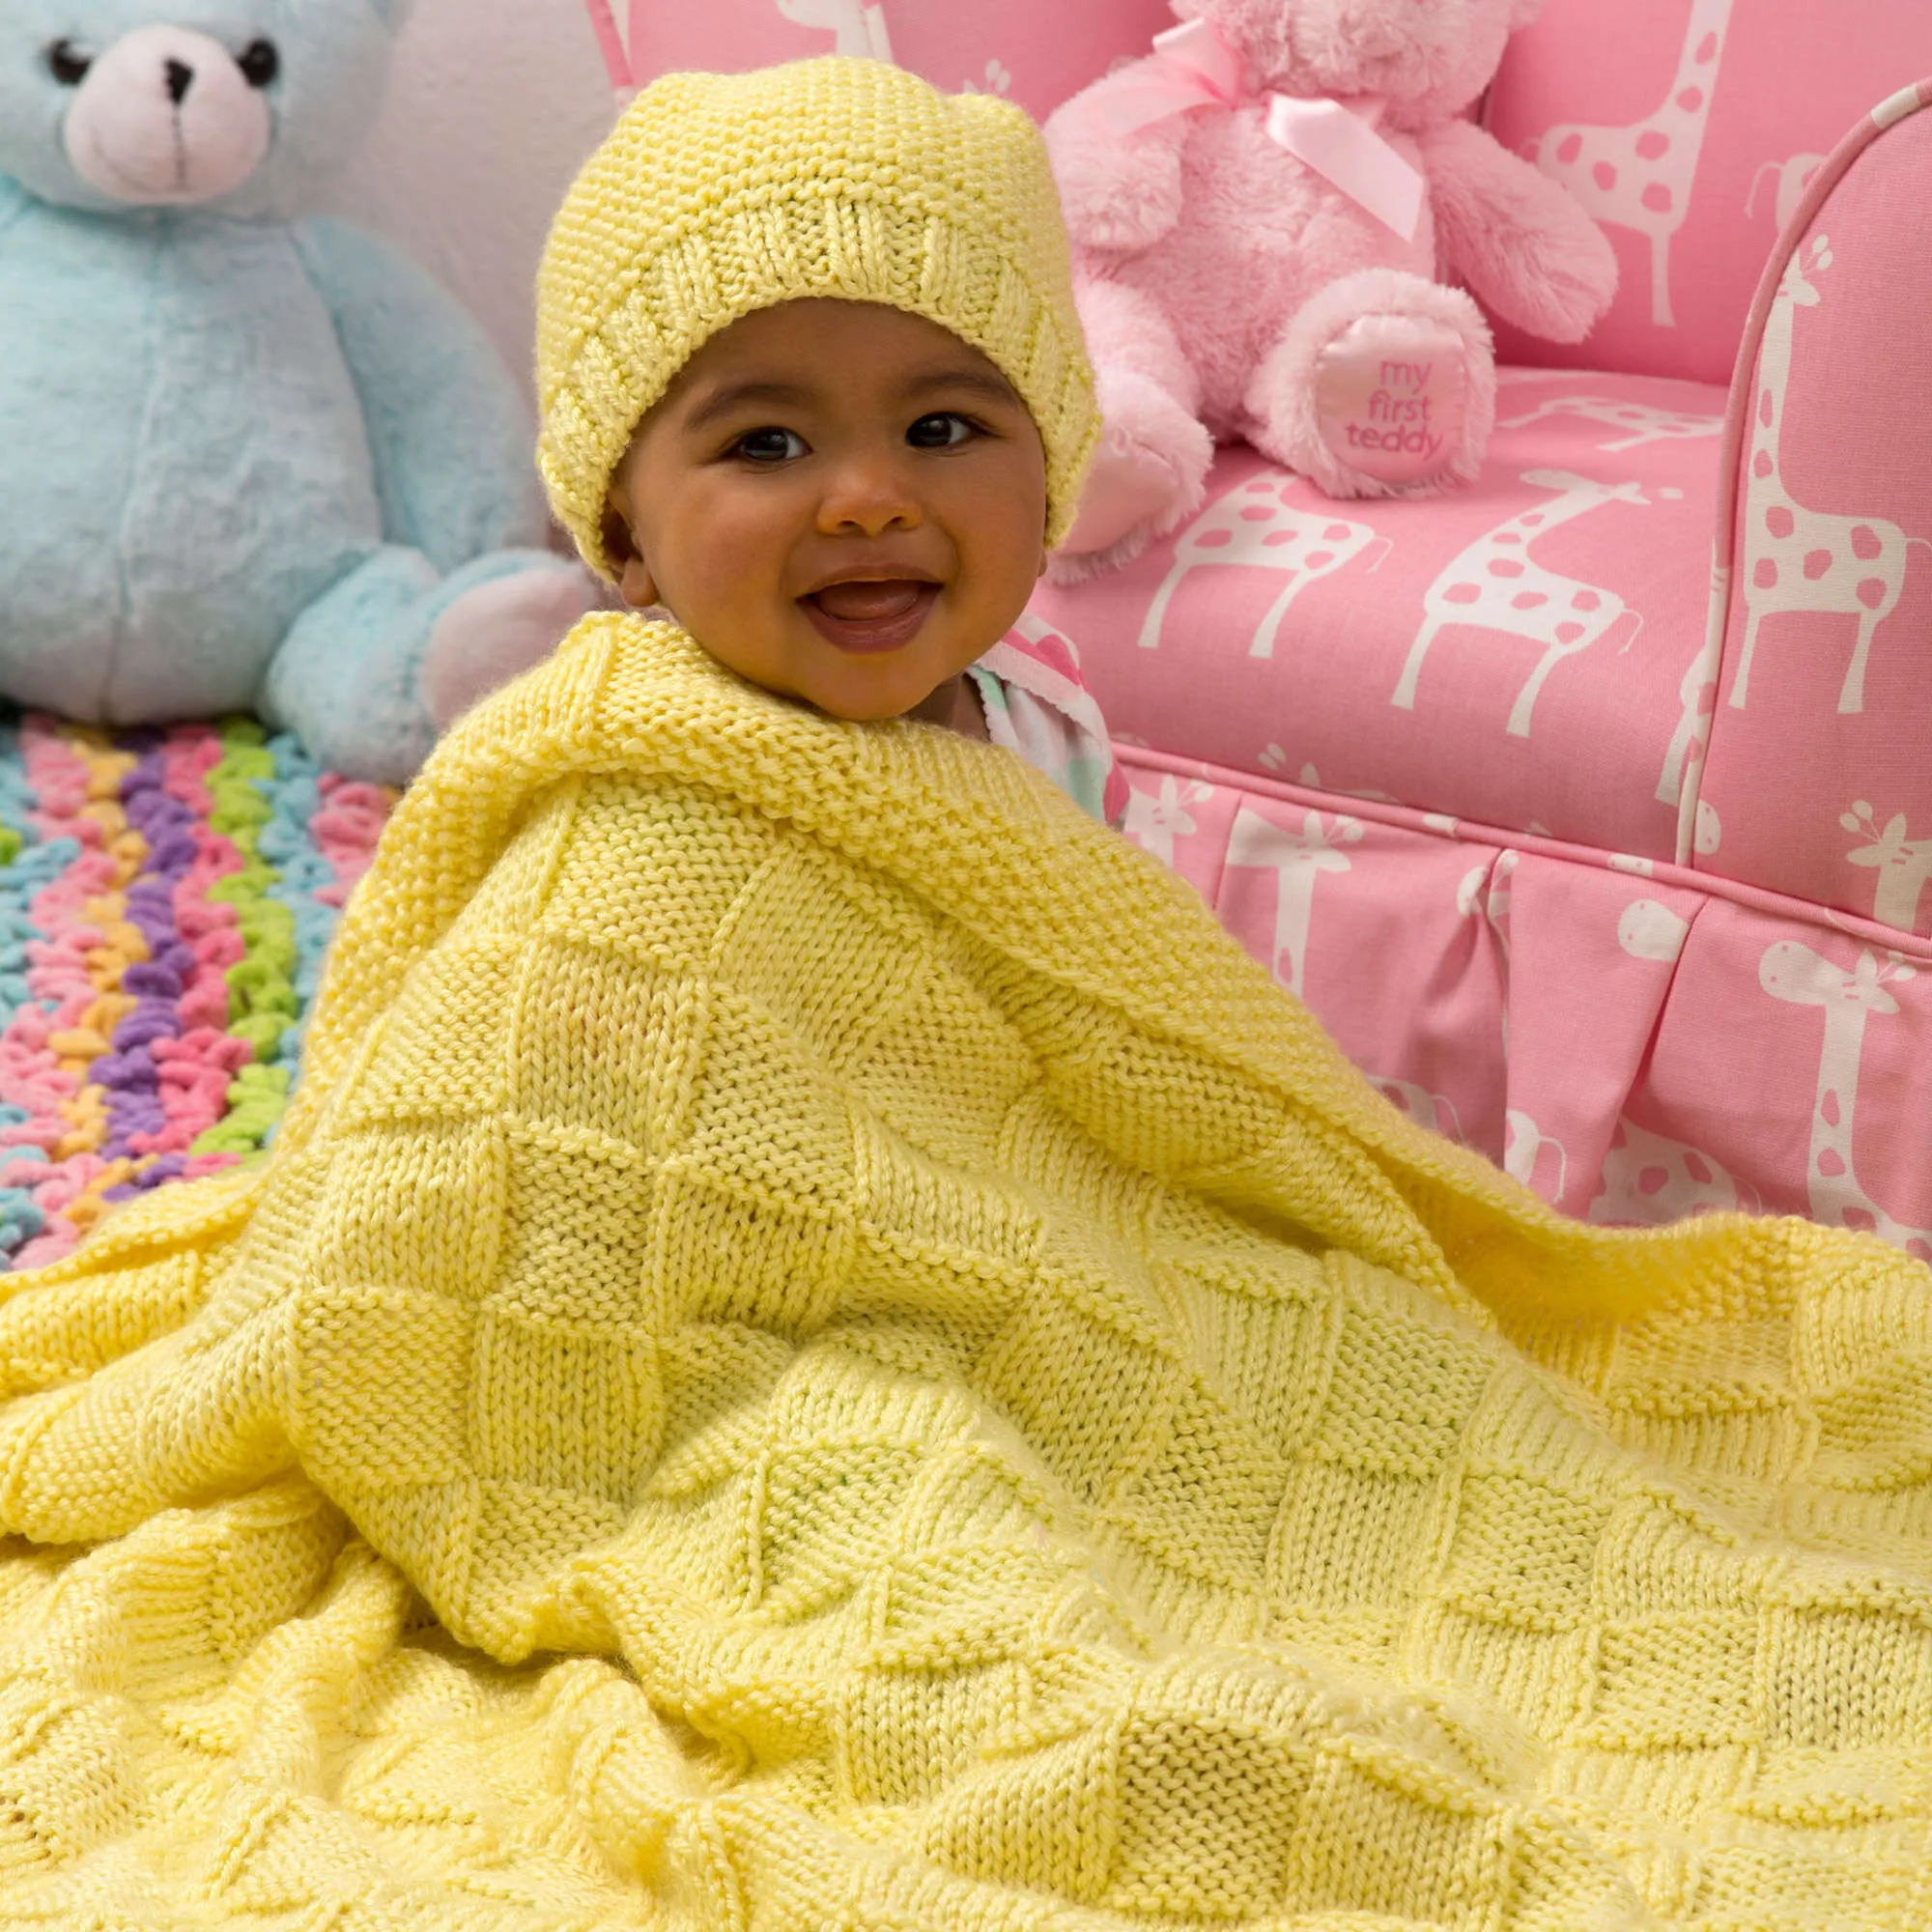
(821, 1351)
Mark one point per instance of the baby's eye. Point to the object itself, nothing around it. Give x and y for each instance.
(942, 431)
(770, 445)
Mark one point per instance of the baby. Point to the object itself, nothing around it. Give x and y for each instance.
(812, 382)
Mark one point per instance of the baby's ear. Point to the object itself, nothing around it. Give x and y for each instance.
(616, 533)
(635, 584)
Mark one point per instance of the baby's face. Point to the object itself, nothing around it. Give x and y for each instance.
(842, 503)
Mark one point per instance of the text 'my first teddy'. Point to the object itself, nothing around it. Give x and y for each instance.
(247, 460)
(1266, 215)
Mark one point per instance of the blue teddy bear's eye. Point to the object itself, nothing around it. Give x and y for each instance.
(260, 61)
(68, 64)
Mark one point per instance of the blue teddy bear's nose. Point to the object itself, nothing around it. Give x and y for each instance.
(180, 77)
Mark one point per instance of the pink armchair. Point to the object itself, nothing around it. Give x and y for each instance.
(1605, 862)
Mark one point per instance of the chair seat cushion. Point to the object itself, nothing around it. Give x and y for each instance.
(1523, 652)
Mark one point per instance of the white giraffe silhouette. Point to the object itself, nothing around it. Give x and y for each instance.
(1274, 760)
(998, 78)
(1648, 1179)
(1697, 694)
(1154, 823)
(1496, 585)
(1257, 526)
(1299, 859)
(1525, 1144)
(1801, 978)
(1484, 892)
(1797, 559)
(1903, 865)
(1643, 424)
(857, 28)
(1641, 177)
(1435, 1111)
(1793, 178)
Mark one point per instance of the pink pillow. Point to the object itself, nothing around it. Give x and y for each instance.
(1688, 128)
(1035, 54)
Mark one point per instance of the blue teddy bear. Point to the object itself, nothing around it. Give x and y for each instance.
(247, 460)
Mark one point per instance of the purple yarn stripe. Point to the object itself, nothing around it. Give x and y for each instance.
(132, 1082)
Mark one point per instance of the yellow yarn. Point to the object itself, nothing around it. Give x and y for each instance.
(949, 1405)
(720, 194)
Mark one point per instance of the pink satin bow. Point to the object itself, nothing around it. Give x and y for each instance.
(1193, 66)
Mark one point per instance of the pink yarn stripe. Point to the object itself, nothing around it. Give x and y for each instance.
(345, 830)
(62, 773)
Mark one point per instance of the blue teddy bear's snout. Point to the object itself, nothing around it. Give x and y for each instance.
(165, 116)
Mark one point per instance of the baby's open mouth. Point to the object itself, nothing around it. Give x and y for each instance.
(868, 615)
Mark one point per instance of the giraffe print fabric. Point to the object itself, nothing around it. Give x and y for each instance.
(1519, 652)
(1816, 766)
(1038, 56)
(1605, 862)
(1633, 1039)
(1689, 130)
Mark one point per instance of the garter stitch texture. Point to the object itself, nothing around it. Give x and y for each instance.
(720, 194)
(947, 1404)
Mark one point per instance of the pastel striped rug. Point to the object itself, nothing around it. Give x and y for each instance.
(167, 896)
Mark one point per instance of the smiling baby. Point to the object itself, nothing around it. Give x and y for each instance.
(813, 383)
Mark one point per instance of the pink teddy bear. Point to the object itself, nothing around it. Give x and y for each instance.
(1259, 212)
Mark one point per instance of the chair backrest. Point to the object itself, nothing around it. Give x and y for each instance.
(1035, 54)
(1690, 128)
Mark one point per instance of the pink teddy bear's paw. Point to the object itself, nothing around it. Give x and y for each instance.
(1576, 284)
(1383, 386)
(1123, 217)
(492, 634)
(1117, 196)
(1149, 474)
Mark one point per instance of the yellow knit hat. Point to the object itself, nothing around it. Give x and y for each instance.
(720, 194)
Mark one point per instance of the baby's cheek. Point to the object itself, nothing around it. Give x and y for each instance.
(1004, 554)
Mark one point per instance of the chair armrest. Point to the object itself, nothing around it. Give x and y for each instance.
(1814, 668)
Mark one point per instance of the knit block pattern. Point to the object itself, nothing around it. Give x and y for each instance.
(818, 1349)
(838, 179)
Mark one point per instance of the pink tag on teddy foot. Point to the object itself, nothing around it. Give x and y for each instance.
(1391, 392)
